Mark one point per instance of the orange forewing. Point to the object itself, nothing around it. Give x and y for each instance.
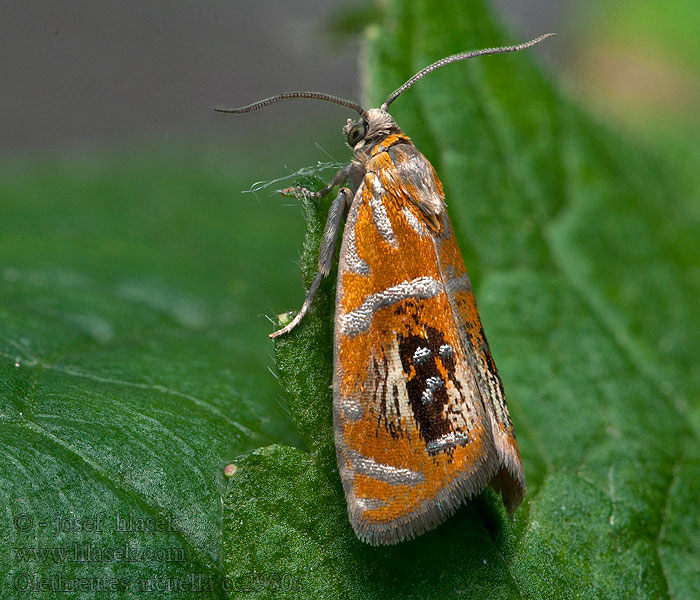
(420, 419)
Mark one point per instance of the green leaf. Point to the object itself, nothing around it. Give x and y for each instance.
(583, 252)
(133, 367)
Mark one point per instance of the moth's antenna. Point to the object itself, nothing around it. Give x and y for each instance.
(289, 95)
(457, 57)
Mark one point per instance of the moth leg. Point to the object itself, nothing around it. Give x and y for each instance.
(326, 251)
(338, 179)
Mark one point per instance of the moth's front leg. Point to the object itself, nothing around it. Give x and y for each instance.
(326, 250)
(338, 179)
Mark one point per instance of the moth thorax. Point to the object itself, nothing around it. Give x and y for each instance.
(380, 122)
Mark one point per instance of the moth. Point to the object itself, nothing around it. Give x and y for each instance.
(420, 417)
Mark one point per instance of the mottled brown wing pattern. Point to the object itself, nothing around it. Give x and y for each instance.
(418, 429)
(510, 479)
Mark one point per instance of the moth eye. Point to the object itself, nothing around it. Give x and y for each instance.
(356, 134)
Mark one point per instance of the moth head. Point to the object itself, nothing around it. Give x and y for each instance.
(369, 129)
